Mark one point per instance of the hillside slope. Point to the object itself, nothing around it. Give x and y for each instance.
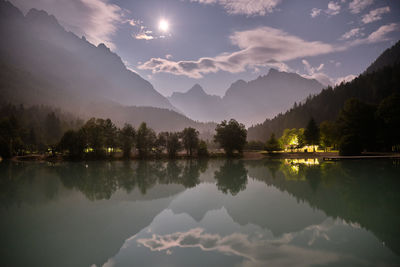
(38, 44)
(370, 87)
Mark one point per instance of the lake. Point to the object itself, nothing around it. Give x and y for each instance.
(200, 213)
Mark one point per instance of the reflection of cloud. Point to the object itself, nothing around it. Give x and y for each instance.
(257, 251)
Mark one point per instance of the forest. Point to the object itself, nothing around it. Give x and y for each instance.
(43, 130)
(371, 88)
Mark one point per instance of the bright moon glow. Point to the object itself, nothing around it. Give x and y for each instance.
(164, 25)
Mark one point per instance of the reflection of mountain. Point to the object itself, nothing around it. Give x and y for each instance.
(362, 192)
(259, 205)
(177, 240)
(89, 209)
(55, 226)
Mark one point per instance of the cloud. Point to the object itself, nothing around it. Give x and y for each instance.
(244, 7)
(264, 46)
(345, 79)
(333, 8)
(375, 15)
(98, 20)
(356, 6)
(356, 32)
(168, 56)
(316, 73)
(379, 35)
(144, 34)
(315, 12)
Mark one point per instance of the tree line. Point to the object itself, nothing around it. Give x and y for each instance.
(32, 130)
(358, 127)
(40, 129)
(99, 138)
(371, 88)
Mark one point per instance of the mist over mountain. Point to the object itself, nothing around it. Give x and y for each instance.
(198, 105)
(42, 64)
(38, 44)
(249, 102)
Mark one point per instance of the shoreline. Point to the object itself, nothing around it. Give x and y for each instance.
(247, 155)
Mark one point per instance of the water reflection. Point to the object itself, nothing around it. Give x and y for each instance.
(231, 177)
(275, 212)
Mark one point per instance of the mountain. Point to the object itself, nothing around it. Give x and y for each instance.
(389, 57)
(42, 64)
(38, 44)
(267, 95)
(381, 80)
(198, 105)
(249, 102)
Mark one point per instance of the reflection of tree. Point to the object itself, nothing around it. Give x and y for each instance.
(231, 177)
(273, 166)
(313, 176)
(99, 180)
(363, 192)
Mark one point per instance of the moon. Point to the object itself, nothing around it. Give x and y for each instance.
(163, 25)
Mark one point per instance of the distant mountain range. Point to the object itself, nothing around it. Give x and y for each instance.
(249, 102)
(41, 63)
(380, 80)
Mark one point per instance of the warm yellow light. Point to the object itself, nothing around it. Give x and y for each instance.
(163, 25)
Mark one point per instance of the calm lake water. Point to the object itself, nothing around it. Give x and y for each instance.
(200, 213)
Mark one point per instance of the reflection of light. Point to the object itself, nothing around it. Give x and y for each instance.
(294, 165)
(313, 161)
(295, 168)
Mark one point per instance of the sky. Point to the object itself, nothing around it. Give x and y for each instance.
(216, 42)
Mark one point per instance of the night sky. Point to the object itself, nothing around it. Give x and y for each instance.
(177, 43)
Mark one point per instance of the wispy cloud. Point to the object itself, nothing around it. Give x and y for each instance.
(98, 20)
(245, 7)
(315, 12)
(264, 46)
(345, 79)
(316, 73)
(375, 15)
(356, 6)
(380, 35)
(333, 8)
(356, 32)
(144, 34)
